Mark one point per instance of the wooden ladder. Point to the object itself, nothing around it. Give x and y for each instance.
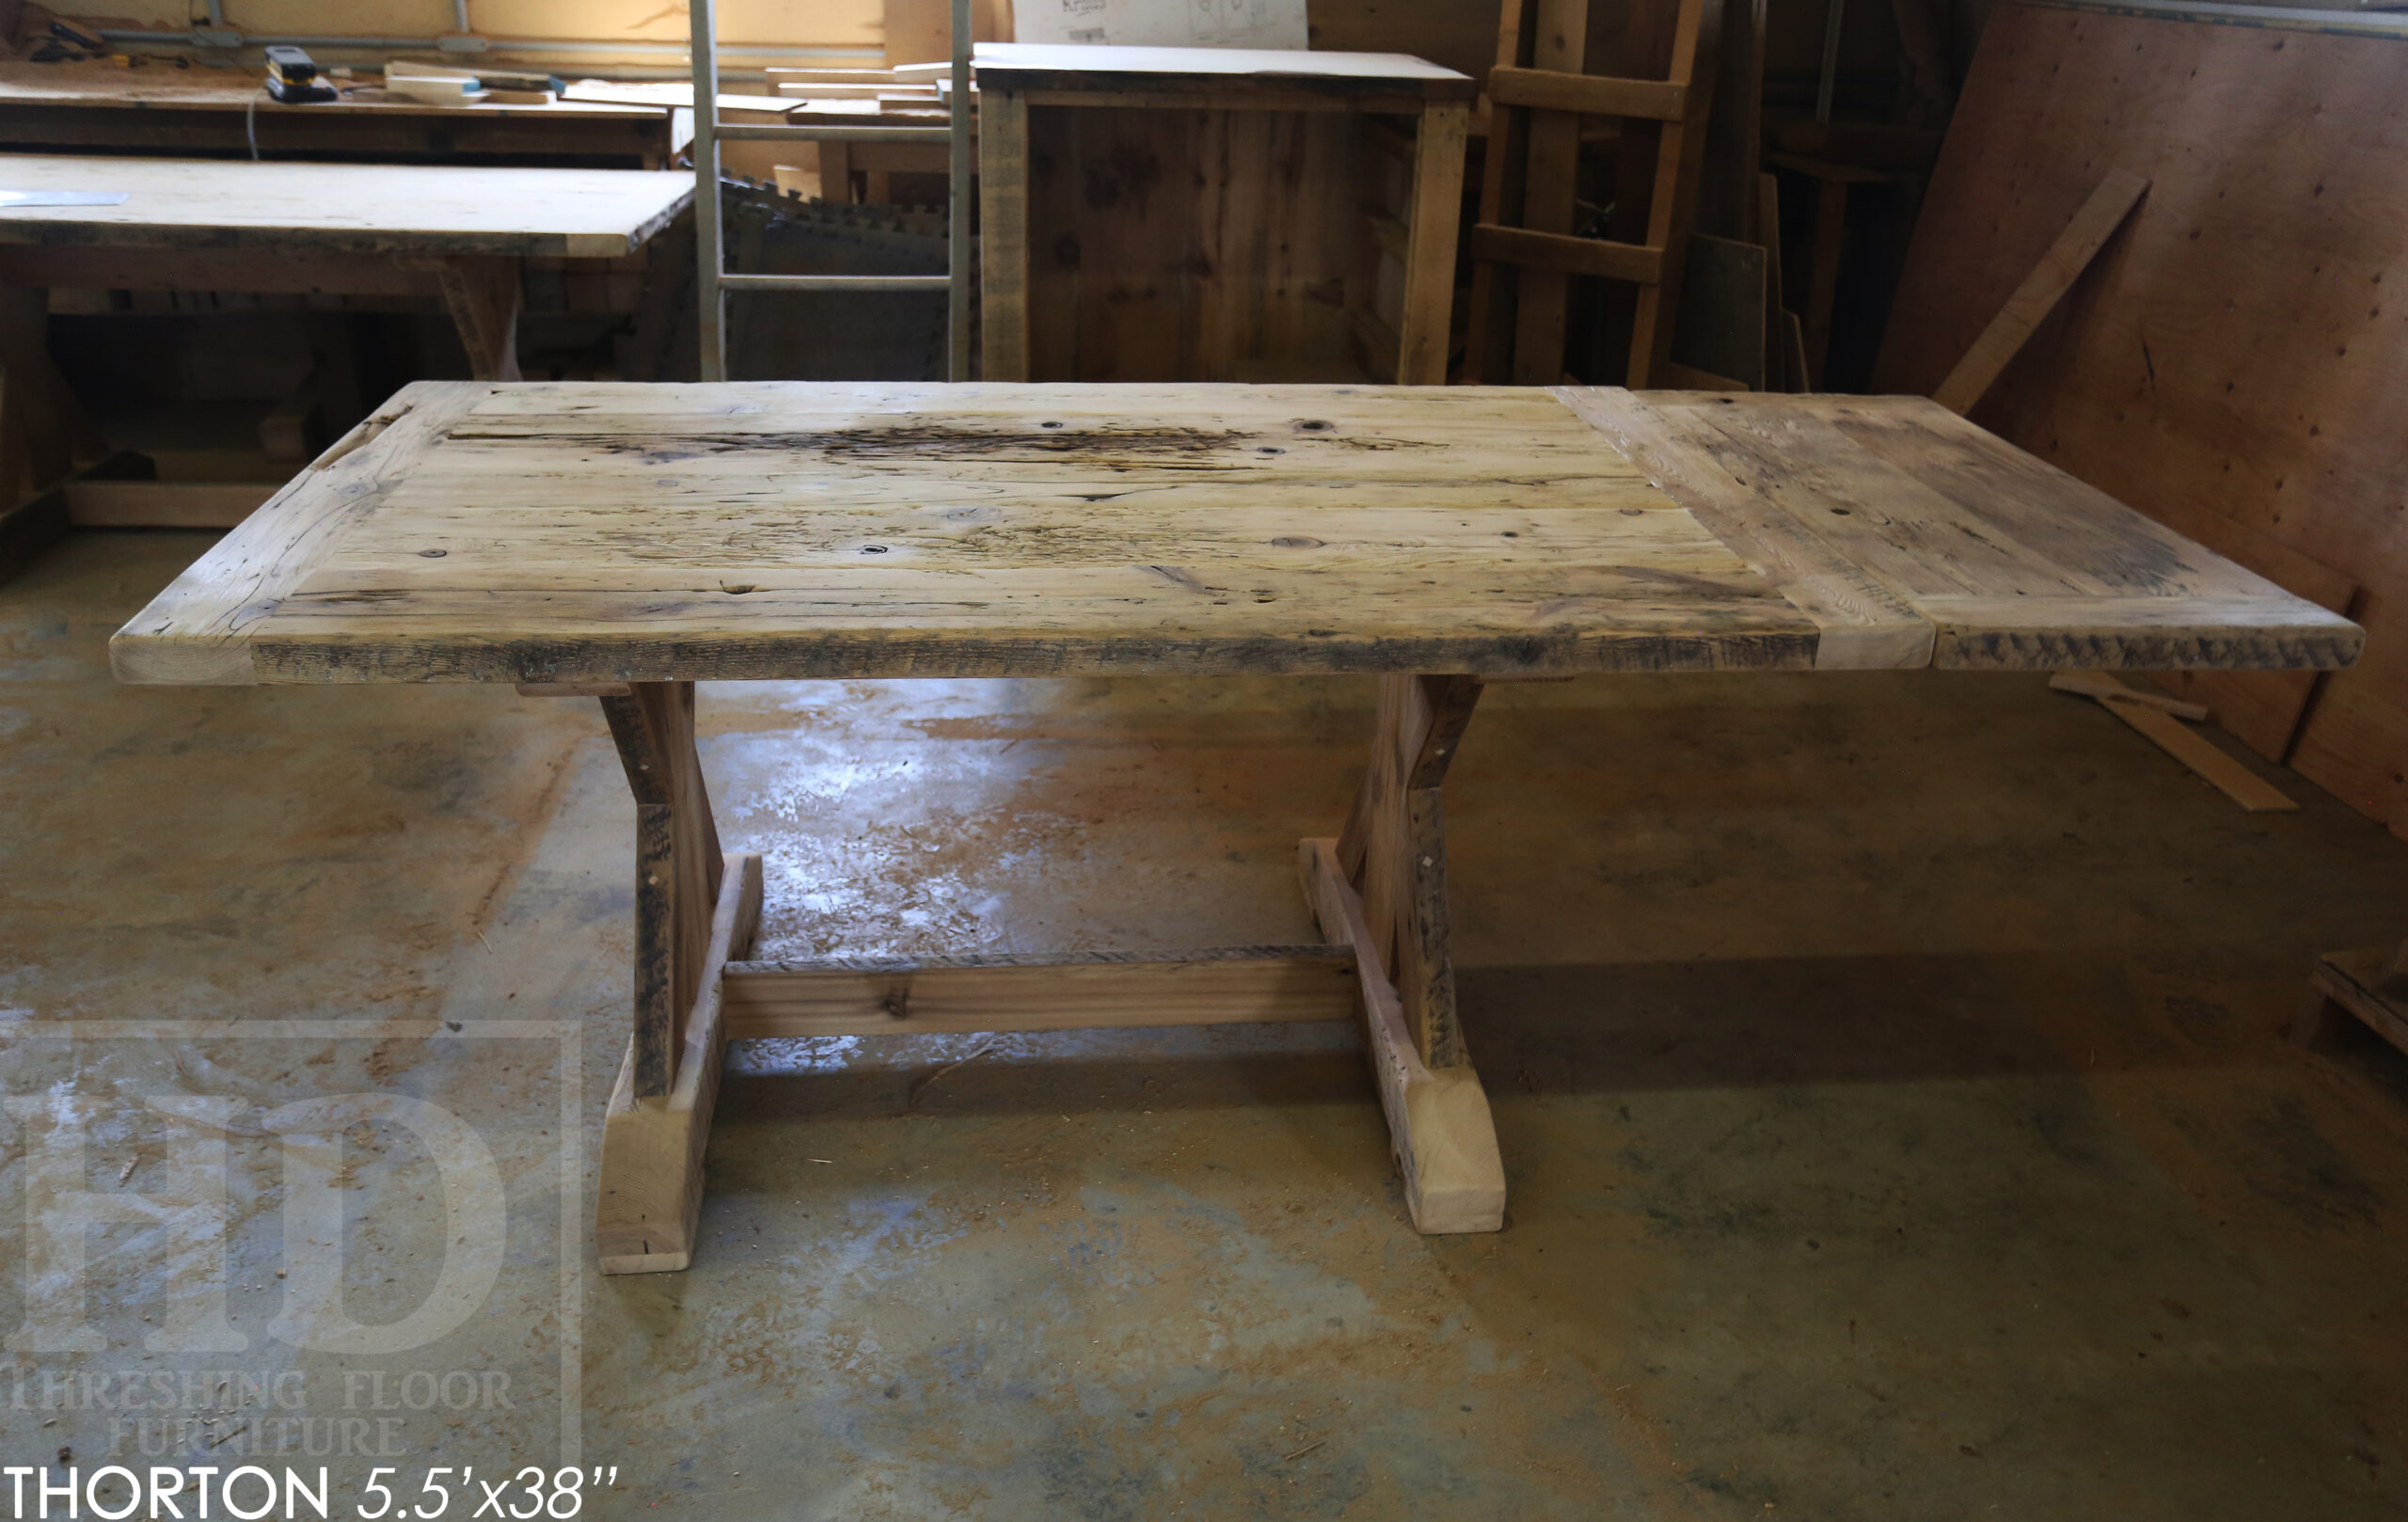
(1527, 189)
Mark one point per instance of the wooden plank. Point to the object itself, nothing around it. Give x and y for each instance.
(1723, 300)
(2355, 983)
(2050, 279)
(1393, 848)
(1554, 89)
(609, 531)
(162, 504)
(2241, 364)
(1863, 623)
(1488, 323)
(358, 208)
(2196, 751)
(2104, 686)
(575, 690)
(2263, 710)
(578, 532)
(1439, 1127)
(1443, 713)
(196, 630)
(1179, 244)
(1205, 97)
(1002, 243)
(86, 267)
(652, 1148)
(2016, 565)
(1673, 191)
(678, 869)
(1043, 993)
(1781, 374)
(1549, 195)
(1029, 66)
(1567, 254)
(484, 296)
(1435, 205)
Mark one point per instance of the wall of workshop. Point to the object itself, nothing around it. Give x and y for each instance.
(838, 23)
(1461, 34)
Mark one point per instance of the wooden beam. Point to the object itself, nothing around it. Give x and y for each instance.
(482, 294)
(2099, 684)
(1003, 235)
(2041, 290)
(2353, 983)
(1043, 992)
(2196, 751)
(678, 869)
(1488, 325)
(575, 690)
(652, 1148)
(1554, 89)
(1550, 197)
(1631, 262)
(1394, 851)
(1376, 345)
(93, 504)
(1436, 205)
(1439, 1128)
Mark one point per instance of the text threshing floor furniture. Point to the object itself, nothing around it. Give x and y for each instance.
(457, 235)
(627, 541)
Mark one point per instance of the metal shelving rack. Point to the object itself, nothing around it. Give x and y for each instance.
(712, 280)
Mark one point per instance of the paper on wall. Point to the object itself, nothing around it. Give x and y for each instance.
(1163, 24)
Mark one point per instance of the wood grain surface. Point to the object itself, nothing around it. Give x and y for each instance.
(363, 208)
(602, 531)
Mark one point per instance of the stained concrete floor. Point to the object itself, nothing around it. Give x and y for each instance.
(1889, 1071)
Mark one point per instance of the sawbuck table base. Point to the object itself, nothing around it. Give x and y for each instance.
(1378, 893)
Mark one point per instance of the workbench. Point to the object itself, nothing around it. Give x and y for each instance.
(1216, 214)
(456, 236)
(223, 112)
(625, 542)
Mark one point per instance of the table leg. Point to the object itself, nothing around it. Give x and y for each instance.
(1381, 888)
(44, 432)
(1003, 236)
(1434, 205)
(482, 294)
(695, 911)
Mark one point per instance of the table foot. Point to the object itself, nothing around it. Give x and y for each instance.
(1439, 1126)
(652, 1148)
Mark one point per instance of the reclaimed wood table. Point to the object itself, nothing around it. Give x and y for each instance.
(455, 235)
(51, 107)
(627, 541)
(1206, 214)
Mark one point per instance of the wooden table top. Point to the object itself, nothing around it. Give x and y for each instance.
(367, 208)
(213, 89)
(614, 531)
(1052, 67)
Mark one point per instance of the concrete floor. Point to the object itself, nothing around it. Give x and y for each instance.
(1888, 1068)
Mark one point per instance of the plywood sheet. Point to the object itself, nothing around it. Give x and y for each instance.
(2236, 364)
